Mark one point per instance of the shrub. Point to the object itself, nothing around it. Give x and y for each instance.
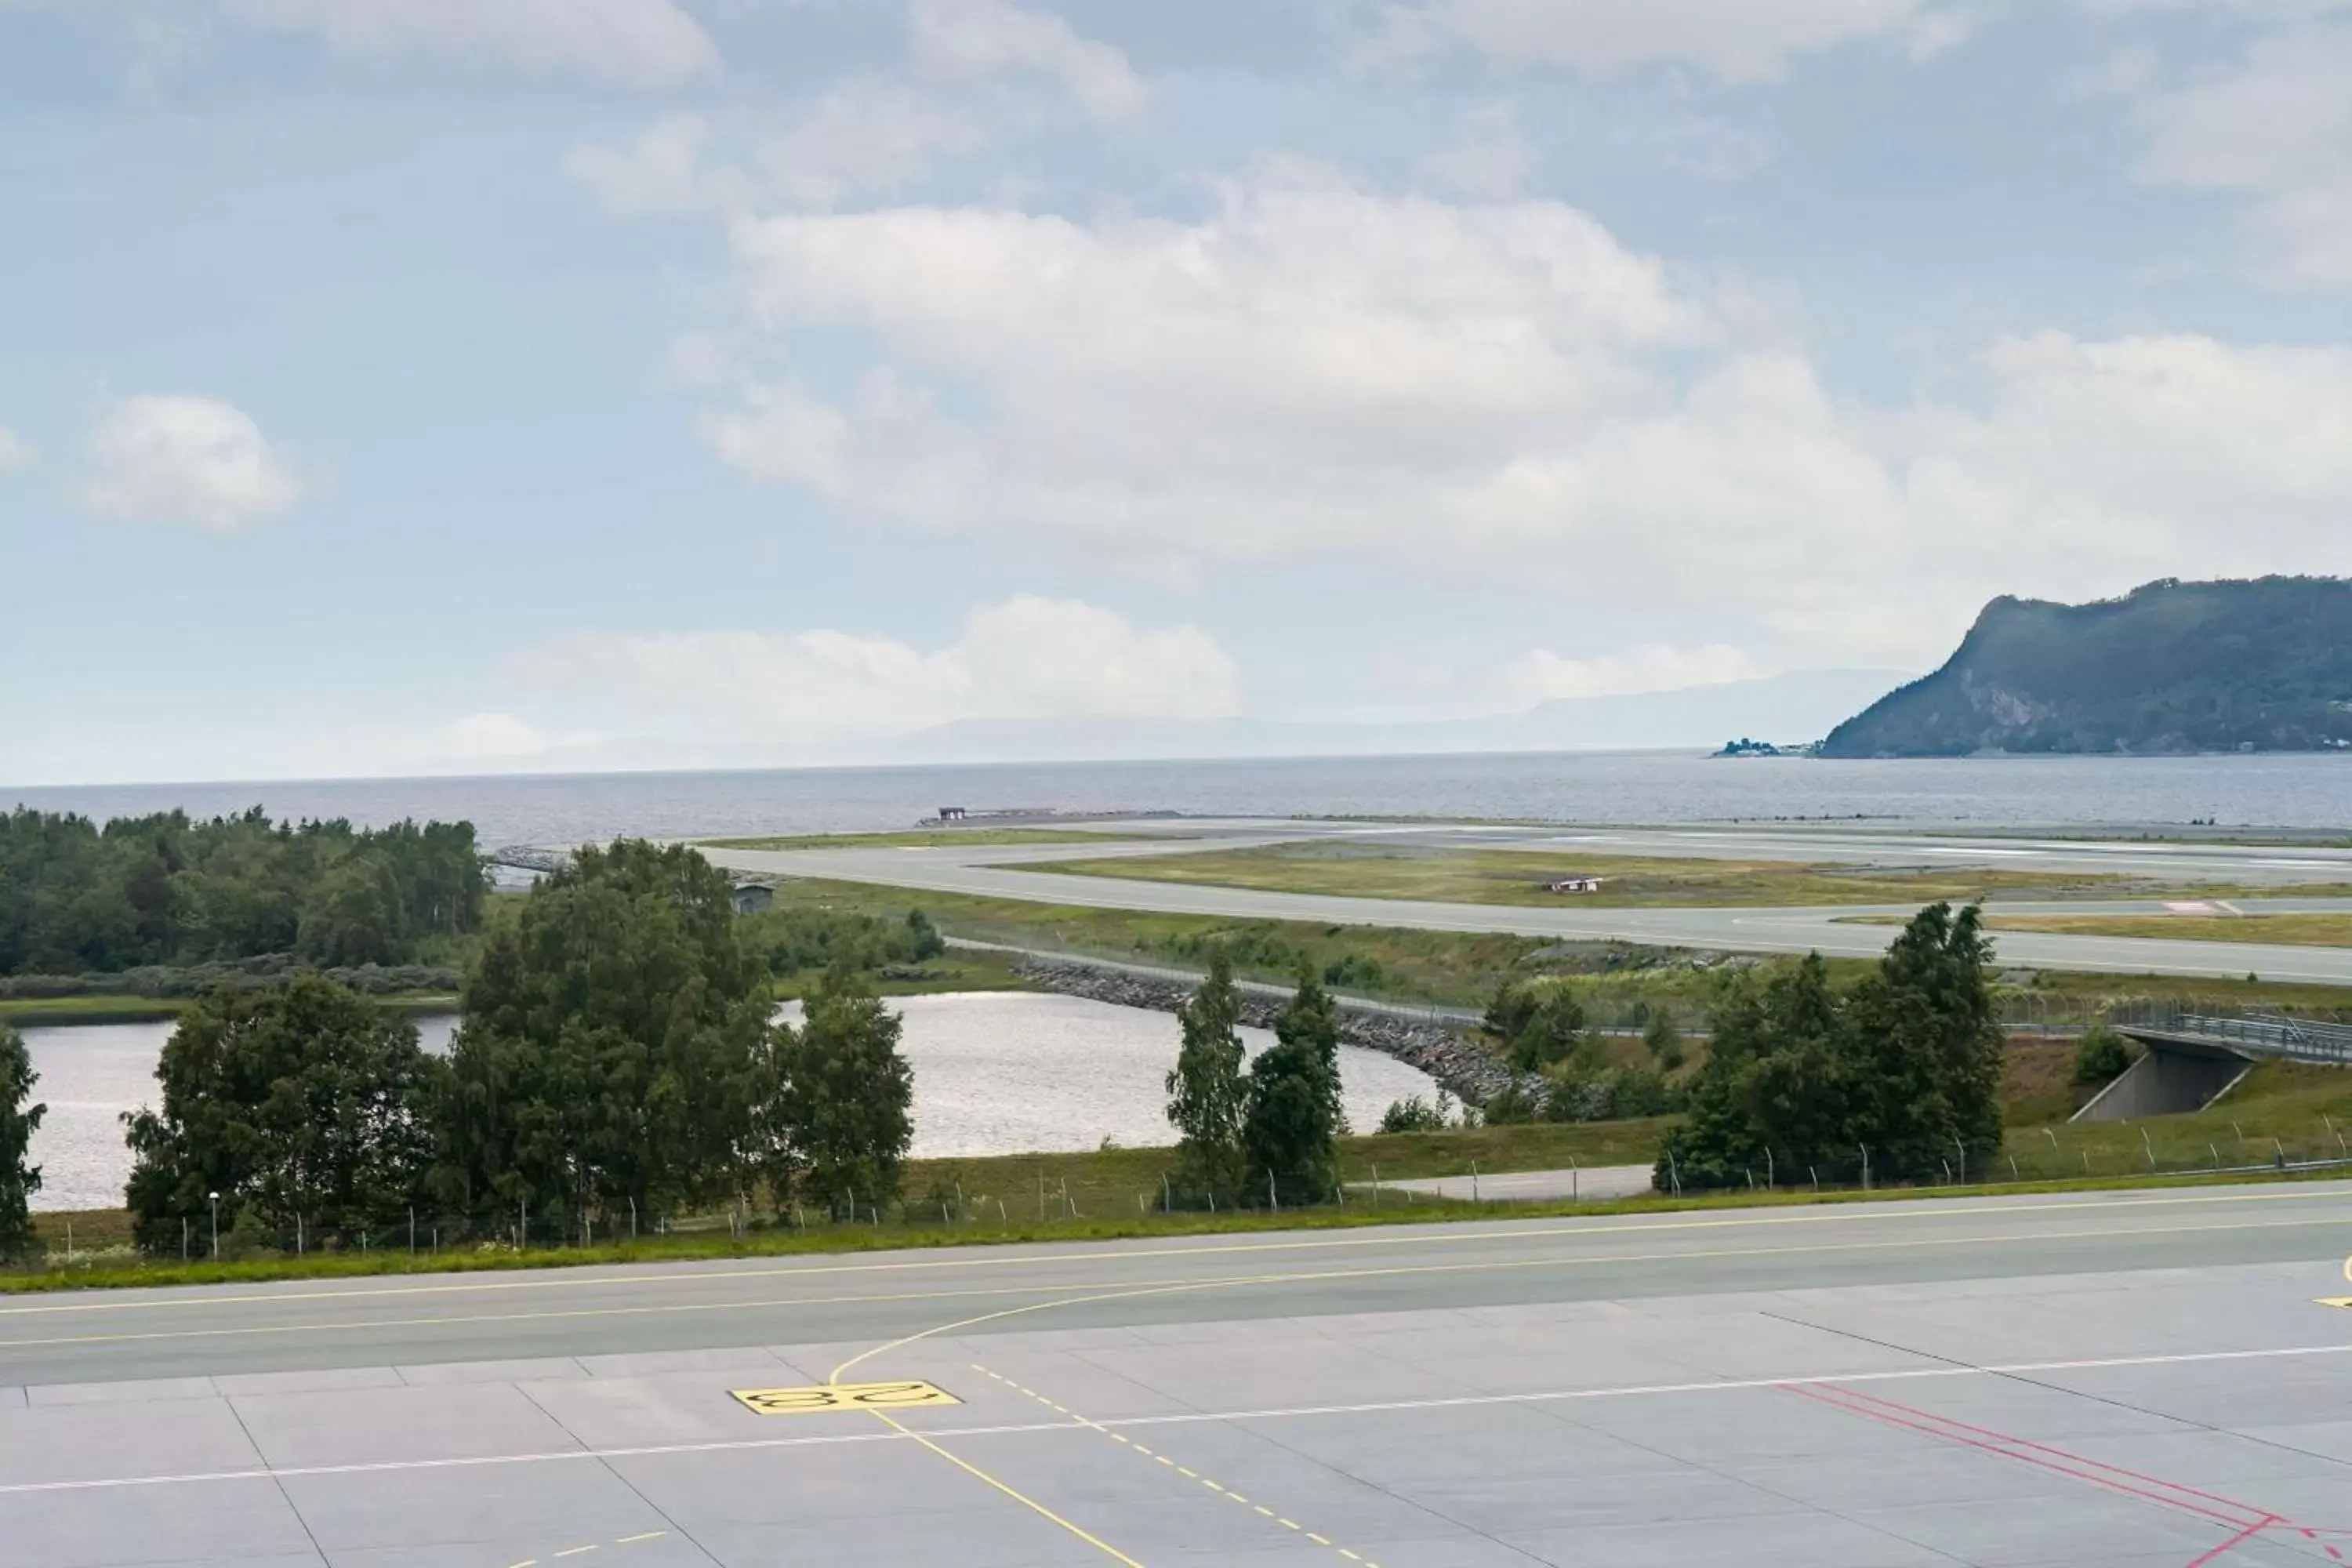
(2102, 1057)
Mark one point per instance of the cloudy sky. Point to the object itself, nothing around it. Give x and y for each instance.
(394, 385)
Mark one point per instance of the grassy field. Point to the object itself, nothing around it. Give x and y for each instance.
(1614, 979)
(1517, 877)
(2295, 931)
(33, 1012)
(915, 838)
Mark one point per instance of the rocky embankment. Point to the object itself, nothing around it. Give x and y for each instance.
(1462, 1066)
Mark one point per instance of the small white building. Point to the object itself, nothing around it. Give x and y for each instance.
(1573, 885)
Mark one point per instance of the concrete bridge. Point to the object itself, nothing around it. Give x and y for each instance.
(2189, 1061)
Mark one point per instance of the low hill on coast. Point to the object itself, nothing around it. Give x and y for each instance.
(2263, 665)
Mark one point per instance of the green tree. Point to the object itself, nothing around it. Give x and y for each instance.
(1777, 1085)
(19, 1117)
(1551, 1031)
(610, 1060)
(302, 1100)
(1928, 1045)
(1296, 1115)
(1663, 1042)
(1208, 1092)
(844, 1114)
(923, 938)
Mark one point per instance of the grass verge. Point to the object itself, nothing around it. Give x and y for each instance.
(36, 1012)
(1388, 1208)
(1516, 877)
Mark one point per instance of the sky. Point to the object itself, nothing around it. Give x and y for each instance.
(395, 386)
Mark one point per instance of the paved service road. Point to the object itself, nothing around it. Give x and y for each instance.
(990, 871)
(2122, 1379)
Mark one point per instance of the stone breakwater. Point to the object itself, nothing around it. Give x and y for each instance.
(1462, 1066)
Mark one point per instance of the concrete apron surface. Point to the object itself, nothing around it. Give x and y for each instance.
(2141, 1380)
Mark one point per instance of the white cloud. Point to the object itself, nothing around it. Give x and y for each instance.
(637, 43)
(2276, 125)
(1752, 40)
(15, 452)
(185, 460)
(1490, 159)
(868, 135)
(663, 171)
(1027, 657)
(1503, 394)
(1542, 676)
(957, 39)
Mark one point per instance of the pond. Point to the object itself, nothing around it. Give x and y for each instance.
(995, 1073)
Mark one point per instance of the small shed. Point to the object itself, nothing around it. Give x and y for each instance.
(1573, 885)
(753, 897)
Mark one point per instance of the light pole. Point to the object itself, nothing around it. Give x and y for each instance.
(214, 1198)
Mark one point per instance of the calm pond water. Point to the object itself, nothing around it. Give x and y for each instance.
(995, 1073)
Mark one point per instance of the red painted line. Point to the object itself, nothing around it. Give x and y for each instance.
(2166, 1499)
(2233, 1543)
(2044, 1447)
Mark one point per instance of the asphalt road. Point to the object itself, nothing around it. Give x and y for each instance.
(2145, 1378)
(992, 871)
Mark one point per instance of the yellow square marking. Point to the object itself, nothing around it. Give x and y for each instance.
(882, 1396)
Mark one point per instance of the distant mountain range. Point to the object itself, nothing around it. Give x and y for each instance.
(2253, 666)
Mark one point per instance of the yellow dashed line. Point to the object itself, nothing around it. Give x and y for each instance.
(648, 1535)
(1184, 1470)
(576, 1550)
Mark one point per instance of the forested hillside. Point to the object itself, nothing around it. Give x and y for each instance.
(80, 898)
(2262, 665)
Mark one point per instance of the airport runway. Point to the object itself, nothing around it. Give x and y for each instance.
(2112, 1379)
(994, 871)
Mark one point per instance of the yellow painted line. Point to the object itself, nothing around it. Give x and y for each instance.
(1211, 1282)
(1317, 1540)
(1287, 1524)
(525, 1562)
(1216, 1282)
(2335, 1300)
(1097, 1543)
(648, 1535)
(1185, 1470)
(685, 1272)
(576, 1550)
(1347, 1555)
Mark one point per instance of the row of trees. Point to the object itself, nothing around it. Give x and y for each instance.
(78, 897)
(1897, 1079)
(617, 1062)
(1264, 1130)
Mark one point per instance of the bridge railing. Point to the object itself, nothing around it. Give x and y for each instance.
(2301, 1039)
